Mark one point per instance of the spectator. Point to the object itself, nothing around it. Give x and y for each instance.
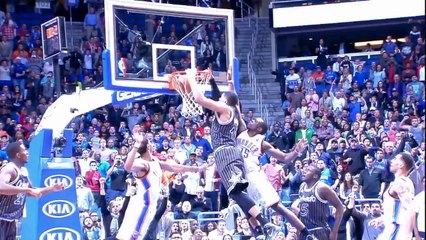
(112, 213)
(199, 141)
(369, 232)
(117, 175)
(212, 180)
(369, 180)
(48, 85)
(292, 81)
(6, 48)
(177, 190)
(304, 132)
(354, 156)
(308, 81)
(5, 78)
(200, 202)
(185, 212)
(19, 73)
(321, 52)
(8, 29)
(219, 232)
(319, 77)
(325, 172)
(276, 138)
(92, 181)
(389, 46)
(85, 199)
(90, 22)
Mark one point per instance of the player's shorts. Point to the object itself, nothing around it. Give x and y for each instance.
(260, 189)
(320, 233)
(394, 232)
(7, 230)
(137, 220)
(230, 165)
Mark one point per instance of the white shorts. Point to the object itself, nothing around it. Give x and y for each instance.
(395, 232)
(260, 189)
(137, 219)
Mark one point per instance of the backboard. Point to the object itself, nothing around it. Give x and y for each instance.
(147, 41)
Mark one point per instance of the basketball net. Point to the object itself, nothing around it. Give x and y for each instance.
(179, 81)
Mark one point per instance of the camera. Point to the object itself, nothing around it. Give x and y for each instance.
(58, 144)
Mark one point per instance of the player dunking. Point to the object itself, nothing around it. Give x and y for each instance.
(229, 161)
(399, 214)
(148, 172)
(14, 188)
(314, 197)
(253, 146)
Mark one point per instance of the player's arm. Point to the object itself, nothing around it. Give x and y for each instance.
(326, 193)
(216, 106)
(242, 126)
(295, 206)
(174, 167)
(6, 175)
(215, 89)
(130, 165)
(54, 188)
(284, 157)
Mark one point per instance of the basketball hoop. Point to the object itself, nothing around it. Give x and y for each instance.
(178, 81)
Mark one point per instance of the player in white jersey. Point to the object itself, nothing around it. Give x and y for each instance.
(252, 144)
(399, 212)
(148, 171)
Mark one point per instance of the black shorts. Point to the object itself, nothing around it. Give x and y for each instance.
(7, 230)
(230, 166)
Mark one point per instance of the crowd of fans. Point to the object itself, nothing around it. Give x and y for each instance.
(366, 114)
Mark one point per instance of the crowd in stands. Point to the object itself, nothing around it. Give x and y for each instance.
(357, 115)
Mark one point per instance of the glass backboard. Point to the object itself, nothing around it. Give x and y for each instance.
(147, 41)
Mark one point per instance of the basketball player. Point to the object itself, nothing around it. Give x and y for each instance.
(398, 205)
(253, 146)
(15, 185)
(314, 198)
(229, 161)
(148, 173)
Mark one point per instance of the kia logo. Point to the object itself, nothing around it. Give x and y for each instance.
(60, 233)
(58, 178)
(58, 209)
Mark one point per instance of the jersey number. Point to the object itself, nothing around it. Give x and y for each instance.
(304, 209)
(19, 199)
(245, 153)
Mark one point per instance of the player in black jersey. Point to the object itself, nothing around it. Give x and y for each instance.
(229, 161)
(14, 188)
(312, 205)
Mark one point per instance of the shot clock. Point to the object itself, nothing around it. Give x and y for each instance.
(53, 37)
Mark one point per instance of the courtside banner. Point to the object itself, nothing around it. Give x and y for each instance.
(58, 211)
(121, 97)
